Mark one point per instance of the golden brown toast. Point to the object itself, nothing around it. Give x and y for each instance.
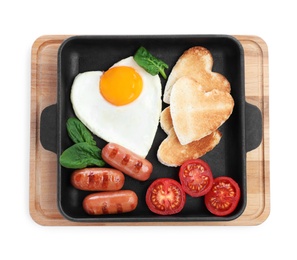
(197, 63)
(166, 120)
(196, 113)
(172, 153)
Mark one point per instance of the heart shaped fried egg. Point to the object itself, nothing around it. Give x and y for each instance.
(121, 105)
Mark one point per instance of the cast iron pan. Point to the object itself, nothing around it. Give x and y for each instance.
(242, 132)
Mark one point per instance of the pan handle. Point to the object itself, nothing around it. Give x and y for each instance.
(254, 126)
(48, 128)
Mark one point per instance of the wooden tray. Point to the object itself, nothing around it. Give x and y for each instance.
(43, 163)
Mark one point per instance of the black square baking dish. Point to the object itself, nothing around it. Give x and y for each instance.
(86, 53)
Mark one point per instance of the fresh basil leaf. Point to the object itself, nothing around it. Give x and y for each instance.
(81, 155)
(150, 63)
(78, 132)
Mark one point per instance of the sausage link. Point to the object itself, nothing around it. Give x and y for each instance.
(127, 162)
(97, 179)
(110, 202)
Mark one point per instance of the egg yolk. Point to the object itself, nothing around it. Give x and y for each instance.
(120, 85)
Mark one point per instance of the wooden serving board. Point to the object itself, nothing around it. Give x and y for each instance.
(43, 163)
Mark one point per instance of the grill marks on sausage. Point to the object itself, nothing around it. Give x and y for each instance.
(105, 208)
(126, 160)
(113, 153)
(119, 208)
(137, 166)
(93, 179)
(105, 180)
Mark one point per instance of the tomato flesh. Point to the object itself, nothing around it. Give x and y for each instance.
(223, 197)
(165, 196)
(196, 177)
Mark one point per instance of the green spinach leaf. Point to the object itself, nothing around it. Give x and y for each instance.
(78, 132)
(150, 63)
(81, 155)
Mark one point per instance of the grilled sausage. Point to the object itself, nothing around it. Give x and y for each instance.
(97, 179)
(110, 202)
(127, 162)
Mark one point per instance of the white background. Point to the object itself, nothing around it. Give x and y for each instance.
(21, 22)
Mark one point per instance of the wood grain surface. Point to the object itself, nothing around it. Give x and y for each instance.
(43, 163)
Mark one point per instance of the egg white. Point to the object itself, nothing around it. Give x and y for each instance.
(133, 125)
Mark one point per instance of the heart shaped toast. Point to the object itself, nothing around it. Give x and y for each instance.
(195, 112)
(197, 63)
(172, 153)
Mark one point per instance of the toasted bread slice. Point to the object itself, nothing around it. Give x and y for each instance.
(166, 120)
(197, 63)
(172, 153)
(196, 113)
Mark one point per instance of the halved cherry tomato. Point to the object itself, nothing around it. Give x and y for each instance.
(223, 197)
(195, 177)
(165, 196)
